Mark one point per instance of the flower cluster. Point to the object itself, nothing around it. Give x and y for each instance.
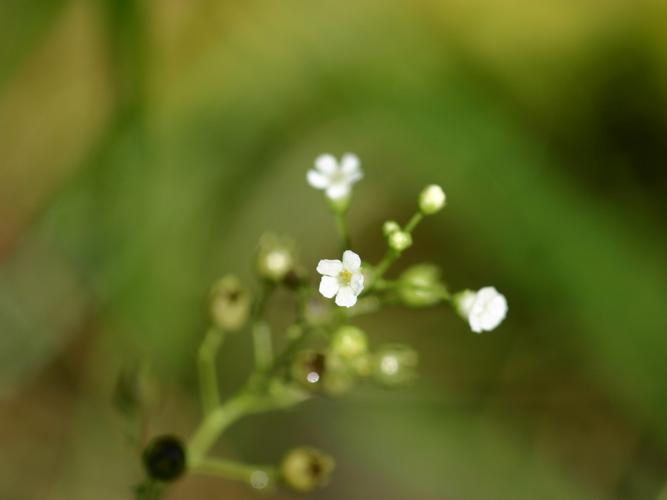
(324, 352)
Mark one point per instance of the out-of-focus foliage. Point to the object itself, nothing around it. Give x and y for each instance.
(146, 145)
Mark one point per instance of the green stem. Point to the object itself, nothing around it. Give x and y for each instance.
(258, 476)
(208, 376)
(215, 423)
(412, 223)
(261, 336)
(392, 255)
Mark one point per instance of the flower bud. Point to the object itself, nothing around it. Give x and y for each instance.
(432, 199)
(230, 304)
(306, 469)
(390, 227)
(164, 458)
(420, 286)
(349, 342)
(275, 258)
(395, 365)
(400, 240)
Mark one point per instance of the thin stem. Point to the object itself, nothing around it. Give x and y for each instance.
(215, 423)
(258, 476)
(392, 255)
(208, 376)
(261, 336)
(412, 223)
(261, 333)
(343, 232)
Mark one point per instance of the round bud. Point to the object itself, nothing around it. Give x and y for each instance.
(275, 258)
(432, 199)
(164, 458)
(306, 469)
(230, 304)
(395, 365)
(400, 240)
(390, 227)
(349, 342)
(420, 286)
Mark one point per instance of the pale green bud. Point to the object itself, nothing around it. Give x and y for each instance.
(420, 286)
(306, 469)
(275, 258)
(395, 365)
(230, 304)
(400, 240)
(390, 227)
(349, 342)
(432, 199)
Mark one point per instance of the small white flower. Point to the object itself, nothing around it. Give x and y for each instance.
(432, 199)
(335, 178)
(342, 279)
(484, 309)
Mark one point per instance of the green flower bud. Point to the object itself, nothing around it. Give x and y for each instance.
(400, 240)
(164, 458)
(420, 286)
(306, 469)
(275, 258)
(230, 304)
(338, 378)
(390, 227)
(395, 365)
(349, 342)
(432, 199)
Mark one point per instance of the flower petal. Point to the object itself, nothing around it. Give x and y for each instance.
(317, 179)
(350, 163)
(351, 261)
(346, 297)
(357, 283)
(326, 164)
(338, 190)
(329, 267)
(329, 286)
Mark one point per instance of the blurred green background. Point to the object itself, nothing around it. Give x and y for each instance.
(145, 146)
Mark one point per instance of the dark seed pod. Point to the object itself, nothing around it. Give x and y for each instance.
(164, 458)
(309, 367)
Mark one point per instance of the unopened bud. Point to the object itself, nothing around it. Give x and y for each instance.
(395, 365)
(275, 258)
(306, 469)
(230, 304)
(349, 342)
(432, 199)
(390, 227)
(400, 240)
(420, 286)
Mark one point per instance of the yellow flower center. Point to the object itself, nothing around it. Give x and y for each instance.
(345, 277)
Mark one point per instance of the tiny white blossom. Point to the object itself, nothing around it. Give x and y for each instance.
(484, 309)
(335, 178)
(342, 279)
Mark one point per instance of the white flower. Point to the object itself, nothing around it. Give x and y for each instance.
(484, 309)
(342, 279)
(334, 177)
(432, 199)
